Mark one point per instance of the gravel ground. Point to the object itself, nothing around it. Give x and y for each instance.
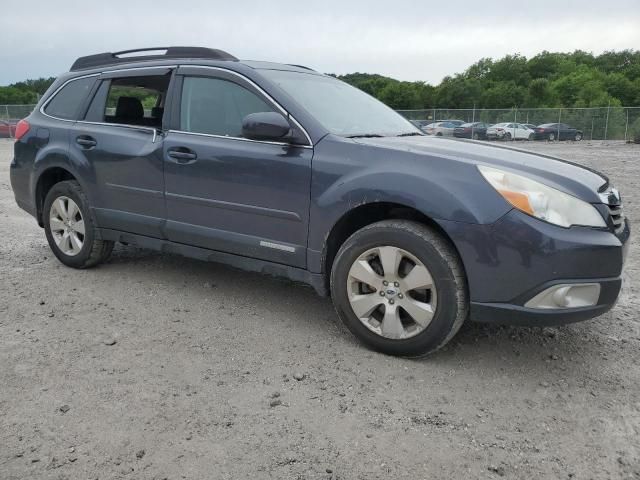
(154, 366)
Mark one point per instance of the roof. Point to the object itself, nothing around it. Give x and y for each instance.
(160, 56)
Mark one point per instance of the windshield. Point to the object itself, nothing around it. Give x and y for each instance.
(340, 108)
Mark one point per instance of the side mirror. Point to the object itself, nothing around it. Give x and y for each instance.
(265, 126)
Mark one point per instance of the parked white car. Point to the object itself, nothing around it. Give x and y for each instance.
(509, 131)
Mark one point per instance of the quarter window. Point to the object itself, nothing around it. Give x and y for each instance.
(217, 107)
(66, 103)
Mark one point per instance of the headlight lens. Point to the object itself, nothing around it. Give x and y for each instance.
(541, 201)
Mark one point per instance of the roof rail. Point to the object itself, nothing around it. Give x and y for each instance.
(114, 58)
(300, 66)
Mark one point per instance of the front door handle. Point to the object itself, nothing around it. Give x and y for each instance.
(87, 142)
(182, 155)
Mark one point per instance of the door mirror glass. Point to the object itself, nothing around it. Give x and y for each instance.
(265, 126)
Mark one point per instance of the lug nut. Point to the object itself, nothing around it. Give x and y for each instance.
(385, 283)
(396, 284)
(400, 295)
(391, 301)
(381, 293)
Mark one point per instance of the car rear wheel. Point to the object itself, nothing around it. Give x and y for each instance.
(439, 134)
(530, 138)
(70, 228)
(552, 137)
(507, 137)
(578, 137)
(476, 136)
(400, 288)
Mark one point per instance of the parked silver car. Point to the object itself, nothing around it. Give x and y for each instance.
(440, 129)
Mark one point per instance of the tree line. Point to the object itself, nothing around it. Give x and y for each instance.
(577, 79)
(552, 80)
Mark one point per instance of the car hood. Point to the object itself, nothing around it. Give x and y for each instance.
(566, 176)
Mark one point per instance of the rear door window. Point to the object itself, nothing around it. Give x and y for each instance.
(66, 103)
(130, 101)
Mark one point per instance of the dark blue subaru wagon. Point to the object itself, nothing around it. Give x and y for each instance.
(279, 169)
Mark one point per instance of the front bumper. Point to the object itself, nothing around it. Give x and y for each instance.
(516, 314)
(510, 262)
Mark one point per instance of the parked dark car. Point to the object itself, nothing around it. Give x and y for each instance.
(555, 131)
(8, 128)
(475, 130)
(282, 170)
(529, 125)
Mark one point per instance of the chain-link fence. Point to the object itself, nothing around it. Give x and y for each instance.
(9, 117)
(605, 123)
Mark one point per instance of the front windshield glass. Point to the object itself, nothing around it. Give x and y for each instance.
(340, 108)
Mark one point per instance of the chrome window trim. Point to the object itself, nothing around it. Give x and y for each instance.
(155, 130)
(123, 125)
(156, 67)
(229, 137)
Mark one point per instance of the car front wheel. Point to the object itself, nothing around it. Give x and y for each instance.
(400, 288)
(70, 228)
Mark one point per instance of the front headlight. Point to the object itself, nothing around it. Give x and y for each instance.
(541, 201)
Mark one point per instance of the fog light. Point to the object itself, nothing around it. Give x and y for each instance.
(567, 295)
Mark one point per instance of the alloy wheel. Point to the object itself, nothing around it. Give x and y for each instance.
(391, 292)
(67, 225)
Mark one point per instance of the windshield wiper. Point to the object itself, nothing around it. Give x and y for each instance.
(410, 134)
(365, 135)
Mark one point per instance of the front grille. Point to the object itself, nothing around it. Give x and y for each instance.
(617, 217)
(611, 198)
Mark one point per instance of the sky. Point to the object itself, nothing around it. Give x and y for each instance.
(408, 40)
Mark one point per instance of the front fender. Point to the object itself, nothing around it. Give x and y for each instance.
(347, 175)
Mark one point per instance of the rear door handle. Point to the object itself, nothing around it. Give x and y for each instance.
(85, 141)
(182, 155)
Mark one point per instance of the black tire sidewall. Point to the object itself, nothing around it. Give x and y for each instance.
(446, 310)
(72, 190)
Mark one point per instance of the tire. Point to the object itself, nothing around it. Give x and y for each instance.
(552, 137)
(476, 136)
(507, 137)
(530, 138)
(578, 137)
(62, 226)
(418, 246)
(439, 134)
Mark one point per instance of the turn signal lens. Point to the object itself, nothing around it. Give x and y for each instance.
(518, 200)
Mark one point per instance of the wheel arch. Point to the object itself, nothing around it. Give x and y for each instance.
(47, 179)
(366, 214)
